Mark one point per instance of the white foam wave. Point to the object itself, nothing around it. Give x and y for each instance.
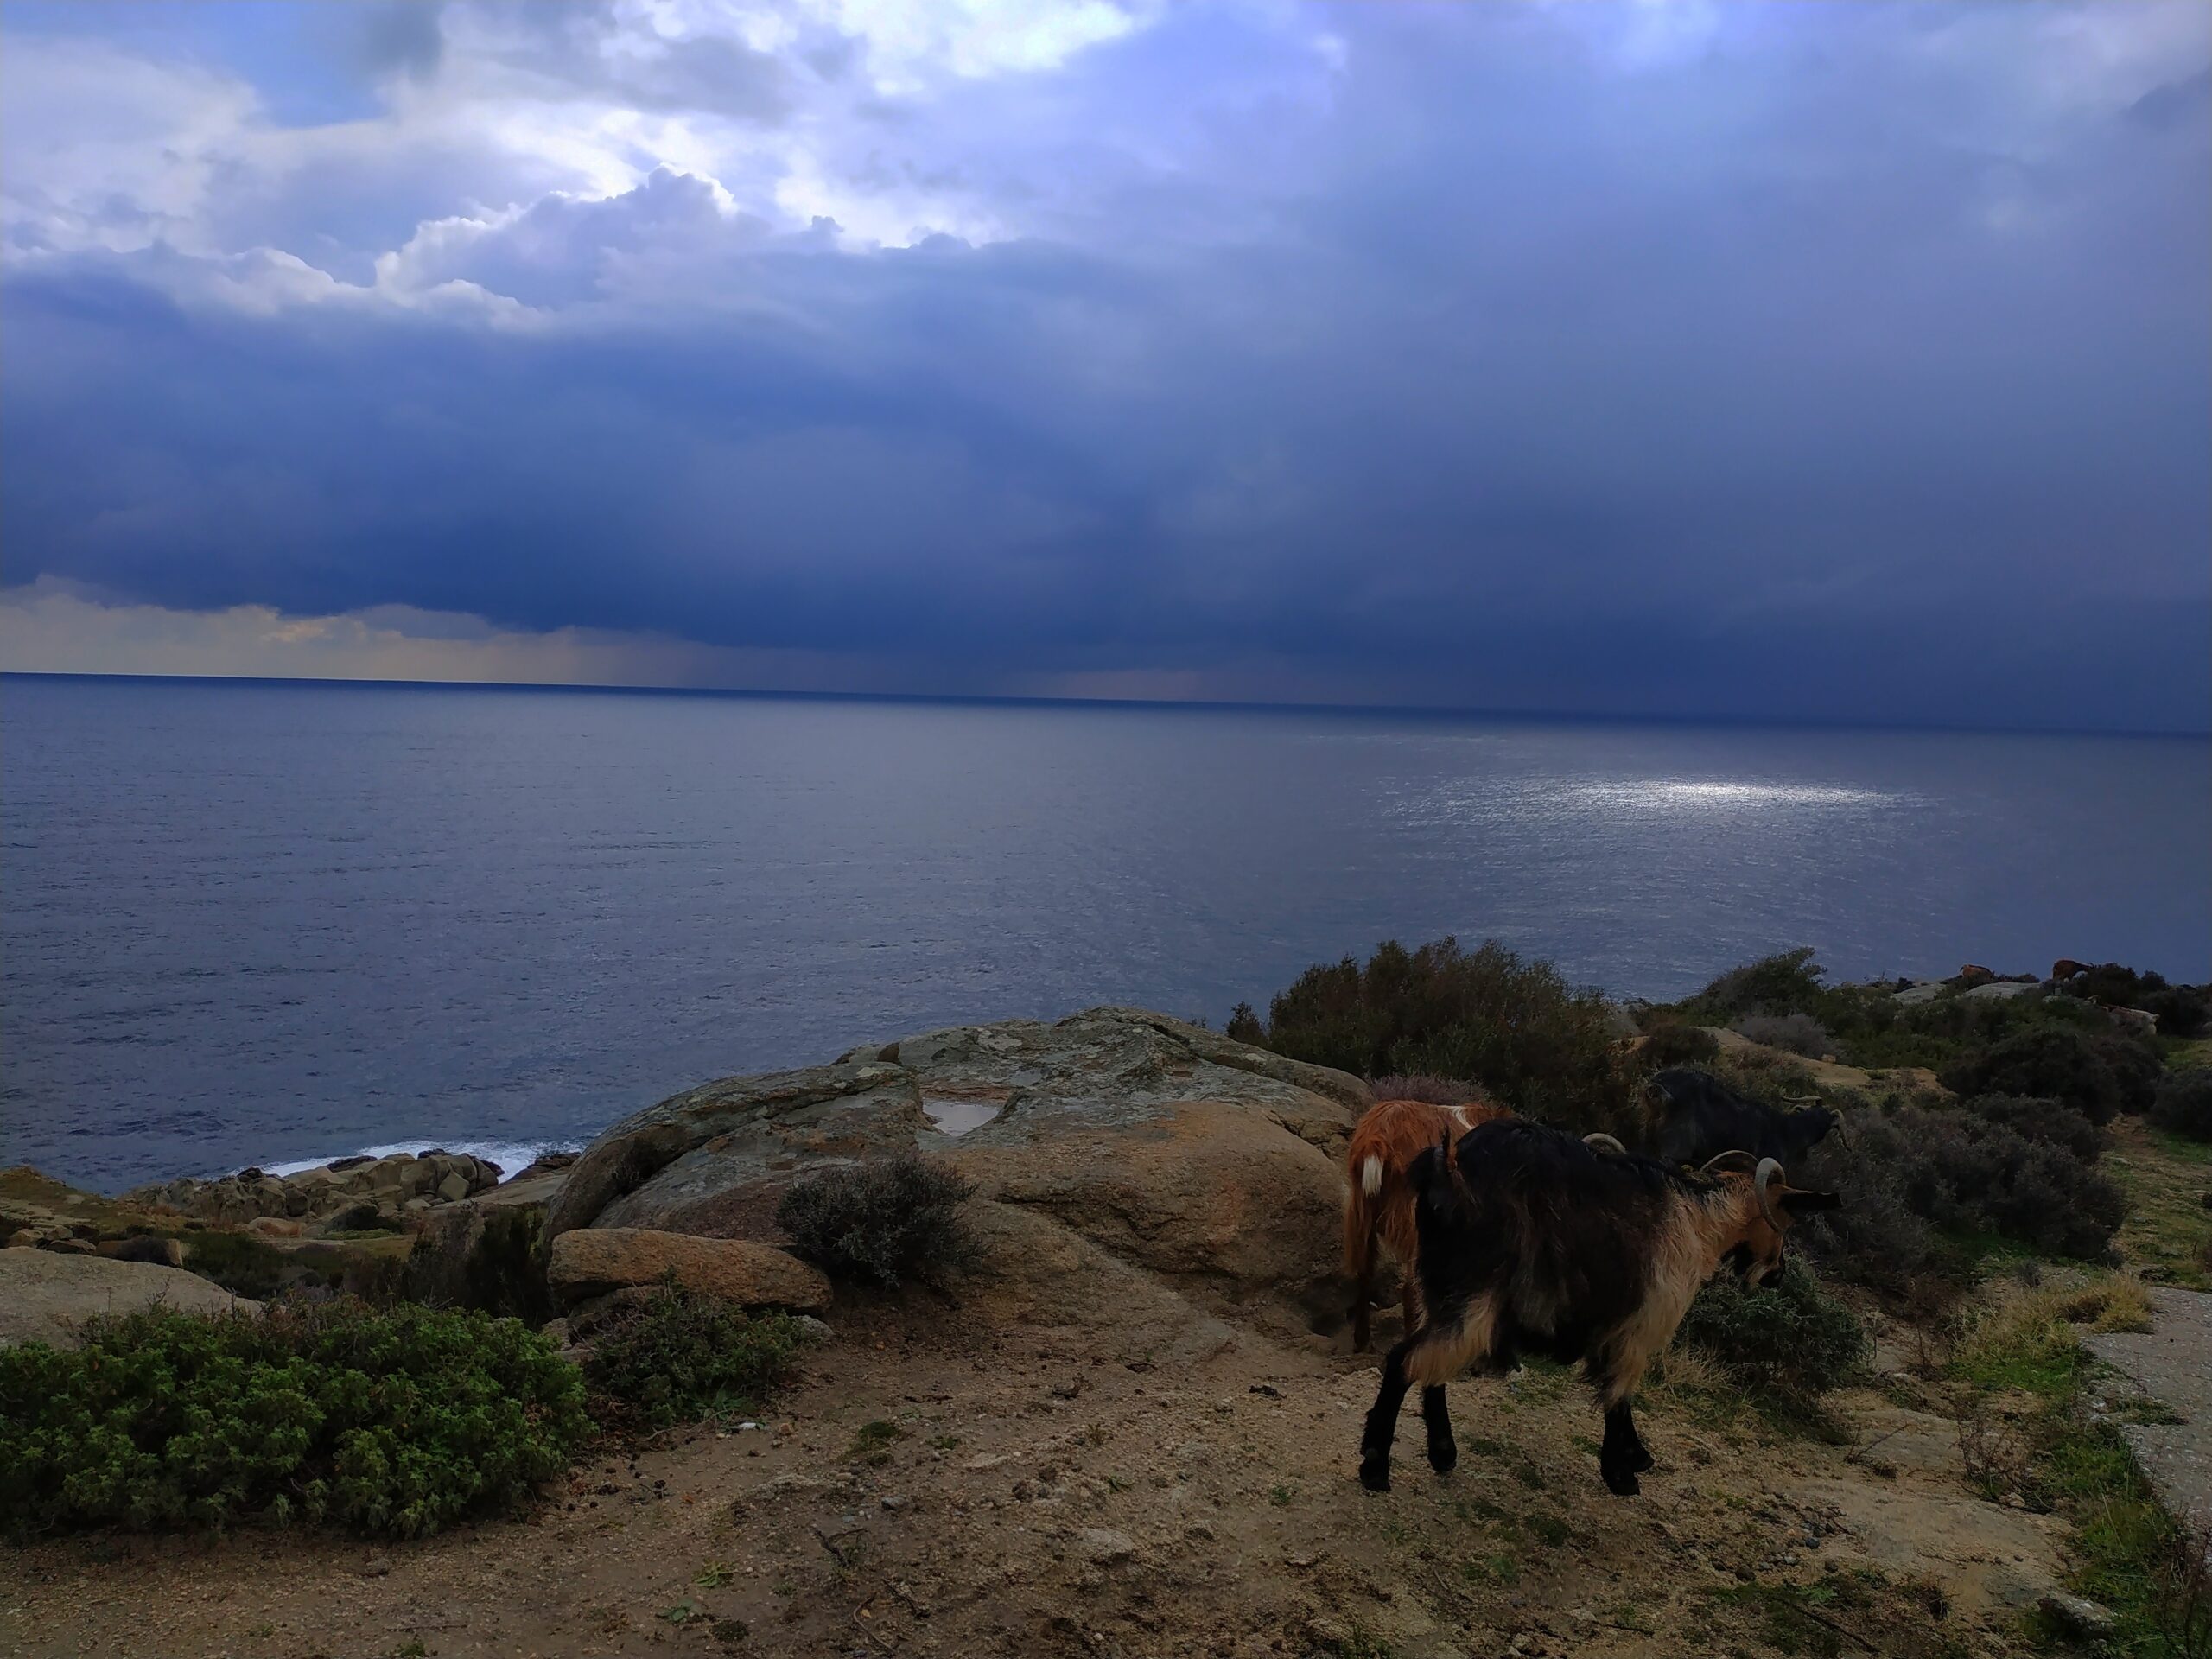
(511, 1156)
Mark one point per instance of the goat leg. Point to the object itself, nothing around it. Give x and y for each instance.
(1443, 1451)
(1621, 1456)
(1382, 1422)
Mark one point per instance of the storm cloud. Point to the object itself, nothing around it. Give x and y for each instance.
(1844, 362)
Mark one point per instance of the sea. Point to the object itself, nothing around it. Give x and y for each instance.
(272, 923)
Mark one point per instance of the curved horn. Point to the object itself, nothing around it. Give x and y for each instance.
(1768, 1169)
(1801, 1100)
(1737, 1160)
(1600, 1141)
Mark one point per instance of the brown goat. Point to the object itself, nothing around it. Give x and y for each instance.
(1379, 1206)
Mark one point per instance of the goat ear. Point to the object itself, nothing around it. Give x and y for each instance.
(1797, 1201)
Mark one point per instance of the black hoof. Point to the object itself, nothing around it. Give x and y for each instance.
(1621, 1482)
(1641, 1461)
(1375, 1476)
(1443, 1456)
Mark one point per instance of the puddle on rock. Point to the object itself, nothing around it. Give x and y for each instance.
(958, 1116)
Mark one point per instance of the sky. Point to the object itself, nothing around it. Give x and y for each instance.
(1843, 362)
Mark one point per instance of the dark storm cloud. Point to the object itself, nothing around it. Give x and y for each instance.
(1827, 363)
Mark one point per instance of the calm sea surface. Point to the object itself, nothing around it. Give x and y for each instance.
(269, 923)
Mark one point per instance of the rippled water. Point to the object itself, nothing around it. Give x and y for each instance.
(271, 923)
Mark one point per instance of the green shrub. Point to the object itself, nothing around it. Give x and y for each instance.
(243, 1264)
(1787, 983)
(2048, 1062)
(1519, 1029)
(1967, 1174)
(2184, 1103)
(1797, 1034)
(2135, 1066)
(678, 1356)
(2182, 1010)
(880, 1219)
(1791, 1341)
(397, 1421)
(1878, 1239)
(1670, 1042)
(2046, 1121)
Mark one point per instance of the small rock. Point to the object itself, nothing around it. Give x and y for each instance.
(894, 1502)
(2077, 1616)
(1067, 1389)
(73, 1246)
(23, 1239)
(817, 1329)
(1106, 1546)
(454, 1188)
(376, 1567)
(985, 1460)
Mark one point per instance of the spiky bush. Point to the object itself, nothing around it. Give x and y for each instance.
(881, 1220)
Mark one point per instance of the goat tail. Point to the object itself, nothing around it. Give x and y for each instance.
(1371, 1175)
(1363, 1220)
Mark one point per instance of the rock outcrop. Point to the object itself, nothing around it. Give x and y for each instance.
(1163, 1147)
(45, 1295)
(355, 1192)
(586, 1262)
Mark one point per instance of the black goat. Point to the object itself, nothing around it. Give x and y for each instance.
(1692, 1117)
(1541, 1243)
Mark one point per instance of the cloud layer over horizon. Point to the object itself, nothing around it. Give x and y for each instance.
(1666, 358)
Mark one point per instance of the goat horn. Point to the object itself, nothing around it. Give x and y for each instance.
(1600, 1141)
(1737, 1160)
(1768, 1169)
(1801, 1100)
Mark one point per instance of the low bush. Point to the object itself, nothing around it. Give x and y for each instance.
(1967, 1174)
(243, 1264)
(396, 1420)
(880, 1219)
(1878, 1239)
(1798, 1033)
(1670, 1042)
(2045, 1062)
(2182, 1010)
(2046, 1121)
(678, 1356)
(1436, 1092)
(2184, 1103)
(1791, 1341)
(1534, 1042)
(1787, 983)
(2135, 1067)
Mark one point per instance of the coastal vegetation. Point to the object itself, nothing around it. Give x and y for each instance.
(1086, 1262)
(397, 1420)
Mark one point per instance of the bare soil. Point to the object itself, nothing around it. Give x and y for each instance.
(1041, 1492)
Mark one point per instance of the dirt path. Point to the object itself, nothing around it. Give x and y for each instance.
(1039, 1491)
(2172, 1364)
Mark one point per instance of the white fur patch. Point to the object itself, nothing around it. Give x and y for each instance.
(1371, 1175)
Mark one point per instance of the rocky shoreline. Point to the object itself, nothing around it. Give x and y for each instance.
(1116, 1146)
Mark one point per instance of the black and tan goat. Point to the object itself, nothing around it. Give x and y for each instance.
(1537, 1240)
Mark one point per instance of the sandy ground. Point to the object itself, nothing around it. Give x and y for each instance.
(1047, 1495)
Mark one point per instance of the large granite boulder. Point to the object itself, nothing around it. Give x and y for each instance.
(714, 1160)
(1162, 1146)
(590, 1262)
(45, 1295)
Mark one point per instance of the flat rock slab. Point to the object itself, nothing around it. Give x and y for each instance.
(45, 1295)
(2173, 1362)
(591, 1261)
